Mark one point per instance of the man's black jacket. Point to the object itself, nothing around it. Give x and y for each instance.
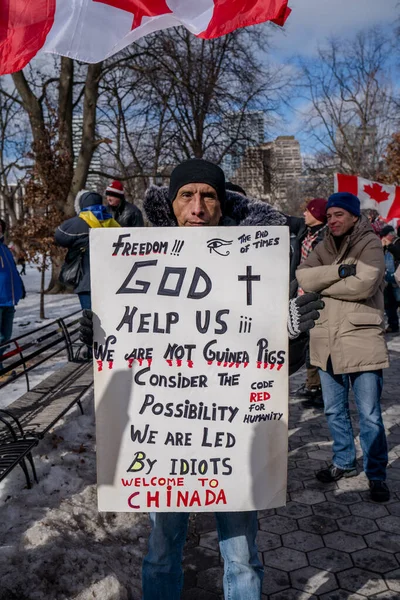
(127, 214)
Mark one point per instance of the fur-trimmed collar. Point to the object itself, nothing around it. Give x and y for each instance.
(77, 205)
(239, 210)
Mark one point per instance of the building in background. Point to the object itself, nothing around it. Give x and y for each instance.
(268, 171)
(12, 203)
(243, 130)
(93, 181)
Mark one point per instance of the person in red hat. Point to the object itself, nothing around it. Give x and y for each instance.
(308, 237)
(125, 213)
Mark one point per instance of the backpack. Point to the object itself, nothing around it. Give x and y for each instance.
(72, 270)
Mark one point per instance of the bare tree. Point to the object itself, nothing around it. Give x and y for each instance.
(168, 97)
(135, 120)
(14, 145)
(391, 167)
(49, 97)
(350, 113)
(204, 82)
(49, 104)
(176, 96)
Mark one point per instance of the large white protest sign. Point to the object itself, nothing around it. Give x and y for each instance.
(191, 367)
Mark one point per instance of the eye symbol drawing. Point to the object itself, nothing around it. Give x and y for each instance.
(216, 243)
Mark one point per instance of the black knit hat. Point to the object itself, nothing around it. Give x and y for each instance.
(345, 200)
(386, 231)
(197, 170)
(89, 199)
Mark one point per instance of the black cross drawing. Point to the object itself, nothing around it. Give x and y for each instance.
(249, 278)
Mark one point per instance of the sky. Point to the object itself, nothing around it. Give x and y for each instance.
(312, 21)
(310, 24)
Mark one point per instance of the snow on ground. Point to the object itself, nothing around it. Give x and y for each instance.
(54, 544)
(27, 311)
(27, 318)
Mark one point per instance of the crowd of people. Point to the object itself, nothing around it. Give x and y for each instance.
(343, 279)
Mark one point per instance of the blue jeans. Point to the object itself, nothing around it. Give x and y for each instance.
(162, 576)
(367, 388)
(6, 326)
(86, 300)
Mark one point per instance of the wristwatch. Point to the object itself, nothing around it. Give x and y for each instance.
(346, 270)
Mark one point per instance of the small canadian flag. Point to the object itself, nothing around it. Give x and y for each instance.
(384, 198)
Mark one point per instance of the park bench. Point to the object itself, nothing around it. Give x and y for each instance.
(27, 419)
(15, 447)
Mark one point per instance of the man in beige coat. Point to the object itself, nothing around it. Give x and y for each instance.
(347, 343)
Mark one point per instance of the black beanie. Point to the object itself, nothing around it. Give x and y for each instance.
(90, 199)
(386, 231)
(197, 170)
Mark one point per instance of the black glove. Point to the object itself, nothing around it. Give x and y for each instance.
(303, 312)
(346, 271)
(86, 328)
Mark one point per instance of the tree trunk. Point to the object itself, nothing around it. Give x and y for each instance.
(42, 283)
(88, 144)
(8, 199)
(34, 110)
(44, 149)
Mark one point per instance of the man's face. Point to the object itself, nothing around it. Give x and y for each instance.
(113, 201)
(340, 220)
(388, 239)
(197, 205)
(309, 219)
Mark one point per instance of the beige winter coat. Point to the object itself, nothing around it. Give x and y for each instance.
(351, 327)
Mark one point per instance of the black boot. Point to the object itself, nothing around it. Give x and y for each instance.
(379, 491)
(333, 473)
(312, 396)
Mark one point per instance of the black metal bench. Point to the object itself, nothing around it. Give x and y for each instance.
(15, 447)
(20, 355)
(38, 410)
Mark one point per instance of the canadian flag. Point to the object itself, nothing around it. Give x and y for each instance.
(384, 198)
(92, 30)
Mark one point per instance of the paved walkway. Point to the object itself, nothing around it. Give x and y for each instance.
(329, 542)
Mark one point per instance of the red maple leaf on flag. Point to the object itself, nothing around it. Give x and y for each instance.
(376, 192)
(140, 8)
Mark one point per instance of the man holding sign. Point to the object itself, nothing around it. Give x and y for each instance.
(197, 198)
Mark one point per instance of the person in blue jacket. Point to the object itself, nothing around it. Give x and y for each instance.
(11, 290)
